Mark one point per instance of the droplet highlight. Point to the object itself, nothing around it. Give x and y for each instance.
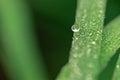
(75, 28)
(117, 66)
(93, 42)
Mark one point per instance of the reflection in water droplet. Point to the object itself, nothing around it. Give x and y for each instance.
(75, 28)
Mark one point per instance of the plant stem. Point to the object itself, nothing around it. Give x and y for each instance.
(111, 44)
(22, 54)
(85, 52)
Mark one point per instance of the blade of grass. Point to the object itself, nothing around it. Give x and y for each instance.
(116, 75)
(110, 44)
(110, 41)
(84, 56)
(108, 71)
(22, 57)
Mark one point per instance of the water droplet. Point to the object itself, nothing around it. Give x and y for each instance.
(117, 66)
(76, 48)
(90, 34)
(93, 42)
(75, 28)
(76, 38)
(99, 32)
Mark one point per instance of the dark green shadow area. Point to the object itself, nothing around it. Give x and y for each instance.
(112, 10)
(108, 71)
(53, 20)
(3, 75)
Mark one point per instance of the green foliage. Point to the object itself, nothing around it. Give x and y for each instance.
(19, 41)
(94, 53)
(85, 52)
(110, 40)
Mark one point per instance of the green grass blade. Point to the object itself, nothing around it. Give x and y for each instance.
(21, 56)
(116, 75)
(84, 56)
(111, 41)
(108, 71)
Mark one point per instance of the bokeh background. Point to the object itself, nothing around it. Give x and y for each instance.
(52, 21)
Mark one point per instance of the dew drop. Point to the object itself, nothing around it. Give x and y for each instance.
(117, 66)
(76, 48)
(90, 34)
(75, 28)
(76, 38)
(93, 42)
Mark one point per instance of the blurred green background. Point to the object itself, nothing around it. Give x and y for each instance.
(52, 25)
(53, 20)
